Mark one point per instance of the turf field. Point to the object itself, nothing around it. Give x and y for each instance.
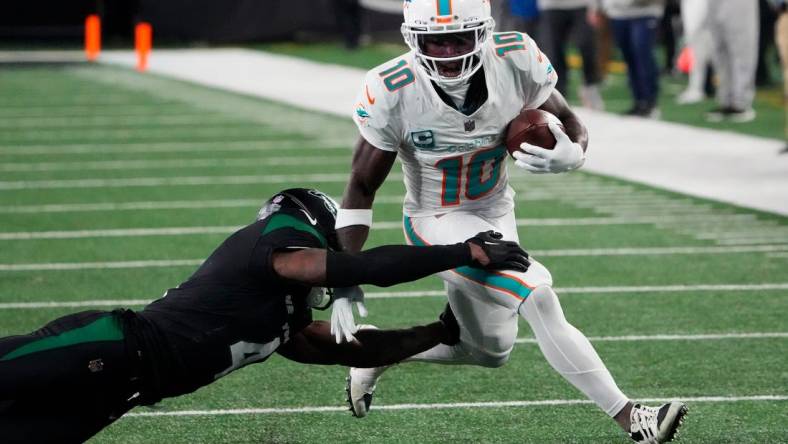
(114, 185)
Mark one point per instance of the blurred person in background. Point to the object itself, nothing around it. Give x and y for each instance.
(734, 28)
(348, 16)
(524, 16)
(781, 38)
(634, 24)
(697, 36)
(667, 31)
(561, 20)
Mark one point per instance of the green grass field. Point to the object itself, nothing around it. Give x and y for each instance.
(683, 298)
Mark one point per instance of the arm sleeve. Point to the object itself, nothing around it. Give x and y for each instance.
(393, 264)
(374, 113)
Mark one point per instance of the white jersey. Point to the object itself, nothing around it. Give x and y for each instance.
(452, 161)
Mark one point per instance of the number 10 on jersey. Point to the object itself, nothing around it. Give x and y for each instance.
(477, 176)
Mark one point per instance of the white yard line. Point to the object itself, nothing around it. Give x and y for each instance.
(343, 145)
(431, 293)
(123, 232)
(50, 123)
(659, 251)
(175, 163)
(64, 266)
(698, 337)
(126, 206)
(111, 111)
(442, 406)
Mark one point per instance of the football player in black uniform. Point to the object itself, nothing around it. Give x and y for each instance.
(252, 297)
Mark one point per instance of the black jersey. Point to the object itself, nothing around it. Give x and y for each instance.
(234, 310)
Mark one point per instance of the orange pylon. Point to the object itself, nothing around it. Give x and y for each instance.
(143, 40)
(92, 37)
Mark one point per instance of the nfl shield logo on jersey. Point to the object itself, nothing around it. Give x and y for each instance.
(470, 125)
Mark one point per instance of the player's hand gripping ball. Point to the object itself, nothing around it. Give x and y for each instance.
(530, 126)
(537, 141)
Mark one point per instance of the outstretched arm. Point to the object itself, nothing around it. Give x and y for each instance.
(392, 264)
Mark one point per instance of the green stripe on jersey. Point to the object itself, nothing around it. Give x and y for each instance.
(106, 328)
(286, 221)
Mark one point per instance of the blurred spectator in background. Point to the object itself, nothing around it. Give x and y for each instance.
(348, 15)
(781, 37)
(734, 31)
(523, 16)
(667, 27)
(559, 21)
(634, 24)
(697, 37)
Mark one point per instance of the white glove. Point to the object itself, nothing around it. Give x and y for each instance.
(343, 325)
(566, 156)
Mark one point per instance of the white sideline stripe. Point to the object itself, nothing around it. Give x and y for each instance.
(123, 232)
(389, 225)
(429, 293)
(172, 147)
(700, 337)
(55, 266)
(145, 205)
(432, 406)
(545, 253)
(99, 122)
(660, 250)
(173, 163)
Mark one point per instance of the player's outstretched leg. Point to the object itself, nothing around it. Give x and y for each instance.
(570, 353)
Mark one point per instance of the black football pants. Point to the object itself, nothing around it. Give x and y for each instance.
(66, 381)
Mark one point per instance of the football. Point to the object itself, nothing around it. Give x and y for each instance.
(530, 126)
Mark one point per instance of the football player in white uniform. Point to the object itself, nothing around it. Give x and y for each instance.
(443, 108)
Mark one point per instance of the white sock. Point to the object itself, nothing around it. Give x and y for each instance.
(569, 352)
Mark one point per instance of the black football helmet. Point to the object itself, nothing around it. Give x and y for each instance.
(314, 207)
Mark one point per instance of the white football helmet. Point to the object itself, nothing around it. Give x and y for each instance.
(425, 18)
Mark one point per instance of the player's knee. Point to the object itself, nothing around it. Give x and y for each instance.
(538, 275)
(544, 299)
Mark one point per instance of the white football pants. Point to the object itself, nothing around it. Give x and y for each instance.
(486, 305)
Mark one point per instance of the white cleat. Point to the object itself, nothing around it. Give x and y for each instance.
(360, 388)
(656, 425)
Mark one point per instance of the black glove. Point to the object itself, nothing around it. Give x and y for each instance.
(452, 327)
(503, 255)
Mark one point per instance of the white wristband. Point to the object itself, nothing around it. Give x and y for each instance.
(347, 217)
